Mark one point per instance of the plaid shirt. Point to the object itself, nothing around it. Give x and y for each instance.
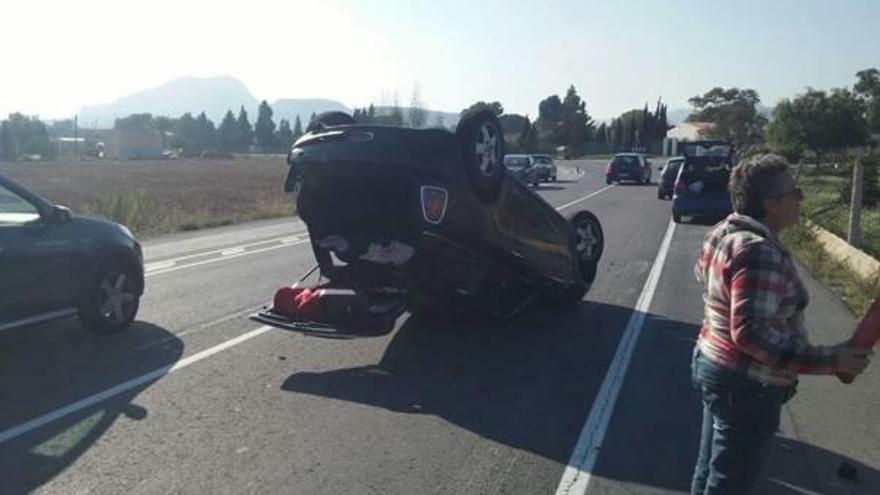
(754, 305)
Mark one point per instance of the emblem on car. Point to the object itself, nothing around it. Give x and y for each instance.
(434, 201)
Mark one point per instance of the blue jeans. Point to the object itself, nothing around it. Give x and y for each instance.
(740, 417)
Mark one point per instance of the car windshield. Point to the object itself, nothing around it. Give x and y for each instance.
(626, 160)
(543, 160)
(516, 161)
(14, 210)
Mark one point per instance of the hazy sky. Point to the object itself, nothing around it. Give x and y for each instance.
(61, 55)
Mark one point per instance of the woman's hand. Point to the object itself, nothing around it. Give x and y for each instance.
(852, 361)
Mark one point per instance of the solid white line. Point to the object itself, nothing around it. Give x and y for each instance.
(215, 260)
(230, 252)
(45, 419)
(588, 196)
(162, 265)
(220, 251)
(576, 478)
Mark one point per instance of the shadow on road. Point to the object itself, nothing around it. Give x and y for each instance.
(51, 366)
(529, 385)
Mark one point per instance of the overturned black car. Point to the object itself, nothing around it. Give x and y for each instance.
(426, 220)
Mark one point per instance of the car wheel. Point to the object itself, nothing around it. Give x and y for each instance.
(587, 243)
(660, 194)
(589, 238)
(536, 184)
(676, 217)
(112, 301)
(482, 151)
(608, 181)
(553, 179)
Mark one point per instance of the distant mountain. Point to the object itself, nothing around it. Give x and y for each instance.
(212, 95)
(215, 96)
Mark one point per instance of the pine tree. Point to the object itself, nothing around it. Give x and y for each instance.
(297, 128)
(227, 132)
(207, 134)
(602, 134)
(284, 136)
(617, 136)
(245, 133)
(264, 130)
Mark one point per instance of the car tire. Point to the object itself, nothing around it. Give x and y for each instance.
(660, 194)
(329, 119)
(112, 300)
(553, 179)
(481, 142)
(587, 266)
(676, 217)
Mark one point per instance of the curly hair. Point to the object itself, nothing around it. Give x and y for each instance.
(755, 179)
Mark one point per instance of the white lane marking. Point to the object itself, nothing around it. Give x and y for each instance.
(241, 246)
(215, 260)
(230, 252)
(588, 196)
(162, 265)
(45, 419)
(576, 478)
(289, 240)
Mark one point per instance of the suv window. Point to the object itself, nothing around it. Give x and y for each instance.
(543, 160)
(15, 210)
(516, 161)
(713, 176)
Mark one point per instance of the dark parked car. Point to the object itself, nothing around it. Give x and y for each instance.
(630, 167)
(421, 219)
(701, 188)
(668, 174)
(524, 168)
(55, 264)
(546, 167)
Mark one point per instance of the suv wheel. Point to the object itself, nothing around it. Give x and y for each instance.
(482, 151)
(112, 301)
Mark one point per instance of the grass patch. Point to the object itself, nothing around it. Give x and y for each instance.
(855, 292)
(160, 197)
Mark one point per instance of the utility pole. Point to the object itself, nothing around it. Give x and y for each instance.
(75, 137)
(855, 212)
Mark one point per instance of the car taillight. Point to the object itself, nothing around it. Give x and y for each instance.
(434, 201)
(610, 169)
(680, 187)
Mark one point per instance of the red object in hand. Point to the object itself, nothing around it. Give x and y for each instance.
(285, 300)
(866, 335)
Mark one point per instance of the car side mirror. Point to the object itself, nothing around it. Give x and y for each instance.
(59, 215)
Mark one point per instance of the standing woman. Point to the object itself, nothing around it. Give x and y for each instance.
(753, 342)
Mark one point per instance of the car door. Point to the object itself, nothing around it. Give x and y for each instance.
(37, 260)
(523, 223)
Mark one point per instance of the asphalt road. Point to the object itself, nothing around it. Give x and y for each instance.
(196, 398)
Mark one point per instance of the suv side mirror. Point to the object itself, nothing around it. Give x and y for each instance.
(59, 215)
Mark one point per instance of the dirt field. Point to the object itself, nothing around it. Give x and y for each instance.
(156, 197)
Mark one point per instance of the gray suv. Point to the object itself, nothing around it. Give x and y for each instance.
(55, 264)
